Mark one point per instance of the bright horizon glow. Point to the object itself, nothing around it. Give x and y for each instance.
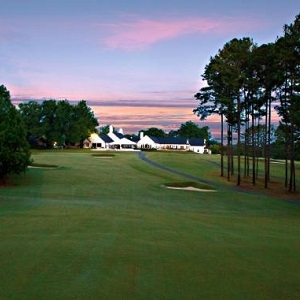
(136, 64)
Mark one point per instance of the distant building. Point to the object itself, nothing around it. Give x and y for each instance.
(117, 141)
(113, 140)
(197, 145)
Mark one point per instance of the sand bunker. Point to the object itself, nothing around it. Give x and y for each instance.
(41, 167)
(189, 188)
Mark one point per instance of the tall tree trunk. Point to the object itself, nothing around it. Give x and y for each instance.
(231, 152)
(228, 151)
(247, 136)
(222, 144)
(239, 141)
(284, 103)
(286, 146)
(258, 153)
(269, 135)
(266, 150)
(292, 184)
(253, 148)
(267, 139)
(247, 152)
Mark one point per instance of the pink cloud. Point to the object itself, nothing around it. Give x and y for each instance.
(138, 33)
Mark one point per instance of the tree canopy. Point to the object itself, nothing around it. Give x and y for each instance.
(243, 81)
(14, 149)
(58, 121)
(153, 131)
(191, 130)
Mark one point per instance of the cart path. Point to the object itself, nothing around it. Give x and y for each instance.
(143, 157)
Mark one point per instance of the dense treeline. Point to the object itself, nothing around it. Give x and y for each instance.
(244, 83)
(188, 130)
(52, 123)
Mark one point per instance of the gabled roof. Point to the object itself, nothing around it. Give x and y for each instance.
(178, 141)
(135, 139)
(106, 138)
(155, 139)
(169, 140)
(196, 142)
(94, 138)
(118, 135)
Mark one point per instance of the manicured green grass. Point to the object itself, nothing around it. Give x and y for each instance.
(97, 228)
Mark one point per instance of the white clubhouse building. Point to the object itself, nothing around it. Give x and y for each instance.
(116, 140)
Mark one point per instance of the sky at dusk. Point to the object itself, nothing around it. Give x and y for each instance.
(138, 64)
